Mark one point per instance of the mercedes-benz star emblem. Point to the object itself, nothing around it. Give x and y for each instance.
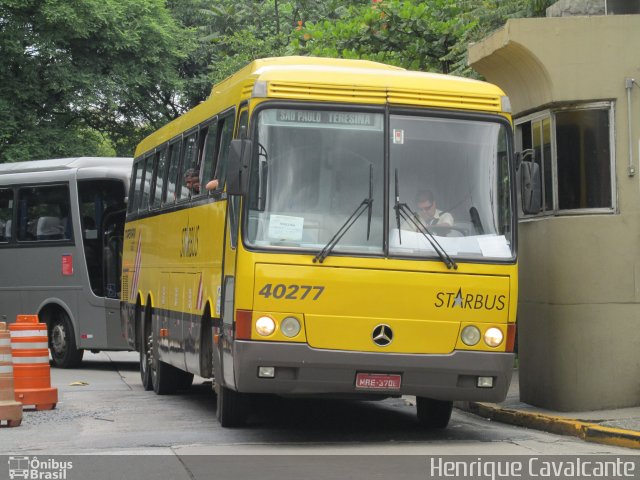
(382, 335)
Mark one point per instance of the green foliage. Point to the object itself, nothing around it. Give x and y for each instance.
(90, 77)
(71, 69)
(412, 33)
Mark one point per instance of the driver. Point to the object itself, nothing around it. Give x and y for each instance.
(428, 211)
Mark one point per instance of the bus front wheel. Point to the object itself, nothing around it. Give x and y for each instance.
(62, 343)
(433, 413)
(232, 407)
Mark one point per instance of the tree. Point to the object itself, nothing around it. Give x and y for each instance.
(77, 78)
(414, 34)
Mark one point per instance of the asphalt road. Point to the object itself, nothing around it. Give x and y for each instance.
(104, 413)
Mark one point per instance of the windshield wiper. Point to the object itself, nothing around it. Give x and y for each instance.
(404, 211)
(365, 205)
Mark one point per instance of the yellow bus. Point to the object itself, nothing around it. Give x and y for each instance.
(327, 227)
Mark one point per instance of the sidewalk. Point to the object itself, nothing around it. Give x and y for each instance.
(619, 427)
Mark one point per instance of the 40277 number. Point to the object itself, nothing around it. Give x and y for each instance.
(291, 292)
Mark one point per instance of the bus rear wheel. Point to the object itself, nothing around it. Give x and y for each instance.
(62, 343)
(145, 362)
(433, 413)
(232, 407)
(165, 378)
(146, 349)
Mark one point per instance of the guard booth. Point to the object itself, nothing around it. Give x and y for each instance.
(573, 80)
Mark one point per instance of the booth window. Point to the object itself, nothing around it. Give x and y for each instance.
(573, 150)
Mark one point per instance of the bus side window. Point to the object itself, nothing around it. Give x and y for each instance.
(146, 183)
(136, 192)
(160, 176)
(44, 213)
(6, 214)
(132, 186)
(226, 135)
(190, 167)
(169, 196)
(209, 153)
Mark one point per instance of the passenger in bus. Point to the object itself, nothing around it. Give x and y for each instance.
(427, 210)
(192, 181)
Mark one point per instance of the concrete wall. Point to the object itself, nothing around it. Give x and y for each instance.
(579, 307)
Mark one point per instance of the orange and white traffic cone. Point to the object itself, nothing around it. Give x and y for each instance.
(10, 410)
(32, 373)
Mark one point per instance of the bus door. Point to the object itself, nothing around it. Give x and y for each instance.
(101, 211)
(229, 271)
(112, 242)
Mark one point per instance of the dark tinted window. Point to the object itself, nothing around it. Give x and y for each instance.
(6, 214)
(44, 213)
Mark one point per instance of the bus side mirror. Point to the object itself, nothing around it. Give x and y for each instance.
(238, 172)
(530, 187)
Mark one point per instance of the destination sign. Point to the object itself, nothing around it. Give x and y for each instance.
(323, 119)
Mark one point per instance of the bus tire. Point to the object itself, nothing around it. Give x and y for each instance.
(232, 408)
(146, 346)
(145, 362)
(164, 377)
(184, 380)
(433, 413)
(62, 342)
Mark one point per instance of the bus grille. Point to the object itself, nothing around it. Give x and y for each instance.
(380, 95)
(247, 89)
(445, 99)
(335, 93)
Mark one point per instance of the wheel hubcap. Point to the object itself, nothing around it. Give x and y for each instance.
(59, 339)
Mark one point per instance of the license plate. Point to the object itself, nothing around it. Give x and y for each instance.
(378, 381)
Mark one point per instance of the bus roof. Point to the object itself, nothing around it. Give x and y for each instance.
(77, 163)
(317, 79)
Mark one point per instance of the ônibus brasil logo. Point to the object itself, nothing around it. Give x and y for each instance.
(36, 469)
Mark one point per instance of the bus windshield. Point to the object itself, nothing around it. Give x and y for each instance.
(453, 175)
(312, 170)
(448, 176)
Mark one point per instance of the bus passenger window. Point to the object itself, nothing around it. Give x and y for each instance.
(160, 177)
(132, 187)
(174, 163)
(136, 193)
(223, 149)
(146, 185)
(191, 168)
(209, 154)
(6, 214)
(43, 213)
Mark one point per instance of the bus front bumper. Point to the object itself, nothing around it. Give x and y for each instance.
(302, 370)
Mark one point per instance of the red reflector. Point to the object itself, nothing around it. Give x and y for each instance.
(67, 265)
(243, 324)
(511, 337)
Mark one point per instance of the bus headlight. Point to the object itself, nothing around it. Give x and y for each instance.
(290, 327)
(265, 326)
(493, 337)
(470, 335)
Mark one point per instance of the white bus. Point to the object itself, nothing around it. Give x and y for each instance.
(61, 235)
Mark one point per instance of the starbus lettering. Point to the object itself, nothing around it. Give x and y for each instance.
(470, 301)
(189, 241)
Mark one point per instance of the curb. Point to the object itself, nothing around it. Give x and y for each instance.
(587, 431)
